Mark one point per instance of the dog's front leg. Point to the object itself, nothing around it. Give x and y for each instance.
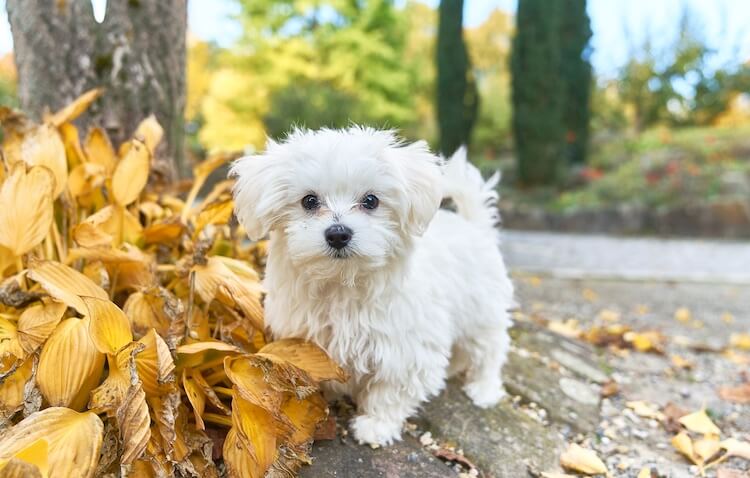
(383, 407)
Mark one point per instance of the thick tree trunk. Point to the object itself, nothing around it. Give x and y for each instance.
(137, 54)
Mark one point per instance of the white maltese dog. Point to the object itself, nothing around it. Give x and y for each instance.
(363, 263)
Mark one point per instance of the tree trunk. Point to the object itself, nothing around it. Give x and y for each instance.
(137, 54)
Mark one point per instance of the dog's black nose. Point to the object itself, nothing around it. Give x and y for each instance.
(338, 236)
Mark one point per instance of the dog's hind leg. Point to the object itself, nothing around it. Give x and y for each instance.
(488, 349)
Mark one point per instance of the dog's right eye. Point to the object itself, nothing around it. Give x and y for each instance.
(310, 202)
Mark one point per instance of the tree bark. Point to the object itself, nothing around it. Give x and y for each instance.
(137, 54)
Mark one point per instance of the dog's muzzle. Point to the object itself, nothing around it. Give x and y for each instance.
(338, 236)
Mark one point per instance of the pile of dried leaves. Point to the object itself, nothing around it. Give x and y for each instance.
(131, 325)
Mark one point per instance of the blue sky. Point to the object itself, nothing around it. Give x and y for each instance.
(618, 25)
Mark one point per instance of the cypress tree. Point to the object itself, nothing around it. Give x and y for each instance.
(575, 73)
(457, 96)
(538, 93)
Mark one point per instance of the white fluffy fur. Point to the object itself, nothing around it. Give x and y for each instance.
(423, 293)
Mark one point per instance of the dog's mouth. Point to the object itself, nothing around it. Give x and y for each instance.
(340, 253)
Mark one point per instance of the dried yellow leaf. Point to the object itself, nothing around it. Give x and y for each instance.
(683, 314)
(568, 328)
(72, 142)
(131, 174)
(7, 259)
(74, 440)
(583, 460)
(304, 415)
(150, 132)
(134, 423)
(85, 181)
(108, 396)
(66, 284)
(110, 329)
(70, 366)
(740, 341)
(645, 409)
(644, 473)
(736, 447)
(99, 150)
(28, 462)
(37, 323)
(199, 347)
(699, 422)
(684, 445)
(305, 356)
(257, 430)
(94, 230)
(240, 463)
(166, 231)
(196, 397)
(12, 389)
(705, 448)
(251, 384)
(144, 313)
(74, 109)
(24, 225)
(155, 364)
(217, 281)
(9, 341)
(43, 146)
(216, 213)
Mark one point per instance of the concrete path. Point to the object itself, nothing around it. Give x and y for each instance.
(607, 257)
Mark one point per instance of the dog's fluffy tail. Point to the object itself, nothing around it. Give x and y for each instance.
(475, 198)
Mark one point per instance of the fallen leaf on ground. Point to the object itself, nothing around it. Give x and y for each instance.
(740, 341)
(672, 414)
(568, 328)
(699, 422)
(450, 455)
(683, 314)
(680, 362)
(738, 394)
(577, 458)
(684, 445)
(644, 409)
(609, 389)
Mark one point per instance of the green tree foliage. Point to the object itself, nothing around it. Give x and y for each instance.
(313, 63)
(457, 95)
(677, 86)
(576, 75)
(489, 49)
(537, 92)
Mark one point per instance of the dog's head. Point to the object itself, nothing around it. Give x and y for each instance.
(339, 198)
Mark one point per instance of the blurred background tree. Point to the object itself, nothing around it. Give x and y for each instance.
(137, 53)
(575, 34)
(538, 101)
(457, 95)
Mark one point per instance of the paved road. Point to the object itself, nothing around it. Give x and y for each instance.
(590, 256)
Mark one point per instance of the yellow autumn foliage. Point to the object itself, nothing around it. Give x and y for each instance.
(97, 268)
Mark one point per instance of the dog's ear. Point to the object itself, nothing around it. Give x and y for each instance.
(260, 190)
(421, 179)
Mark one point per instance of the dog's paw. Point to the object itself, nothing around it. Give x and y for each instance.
(375, 431)
(485, 394)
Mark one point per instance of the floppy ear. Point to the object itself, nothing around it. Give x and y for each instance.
(260, 192)
(421, 177)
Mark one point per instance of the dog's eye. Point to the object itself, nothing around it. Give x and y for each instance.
(310, 202)
(370, 201)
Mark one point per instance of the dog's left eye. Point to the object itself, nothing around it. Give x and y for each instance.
(370, 201)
